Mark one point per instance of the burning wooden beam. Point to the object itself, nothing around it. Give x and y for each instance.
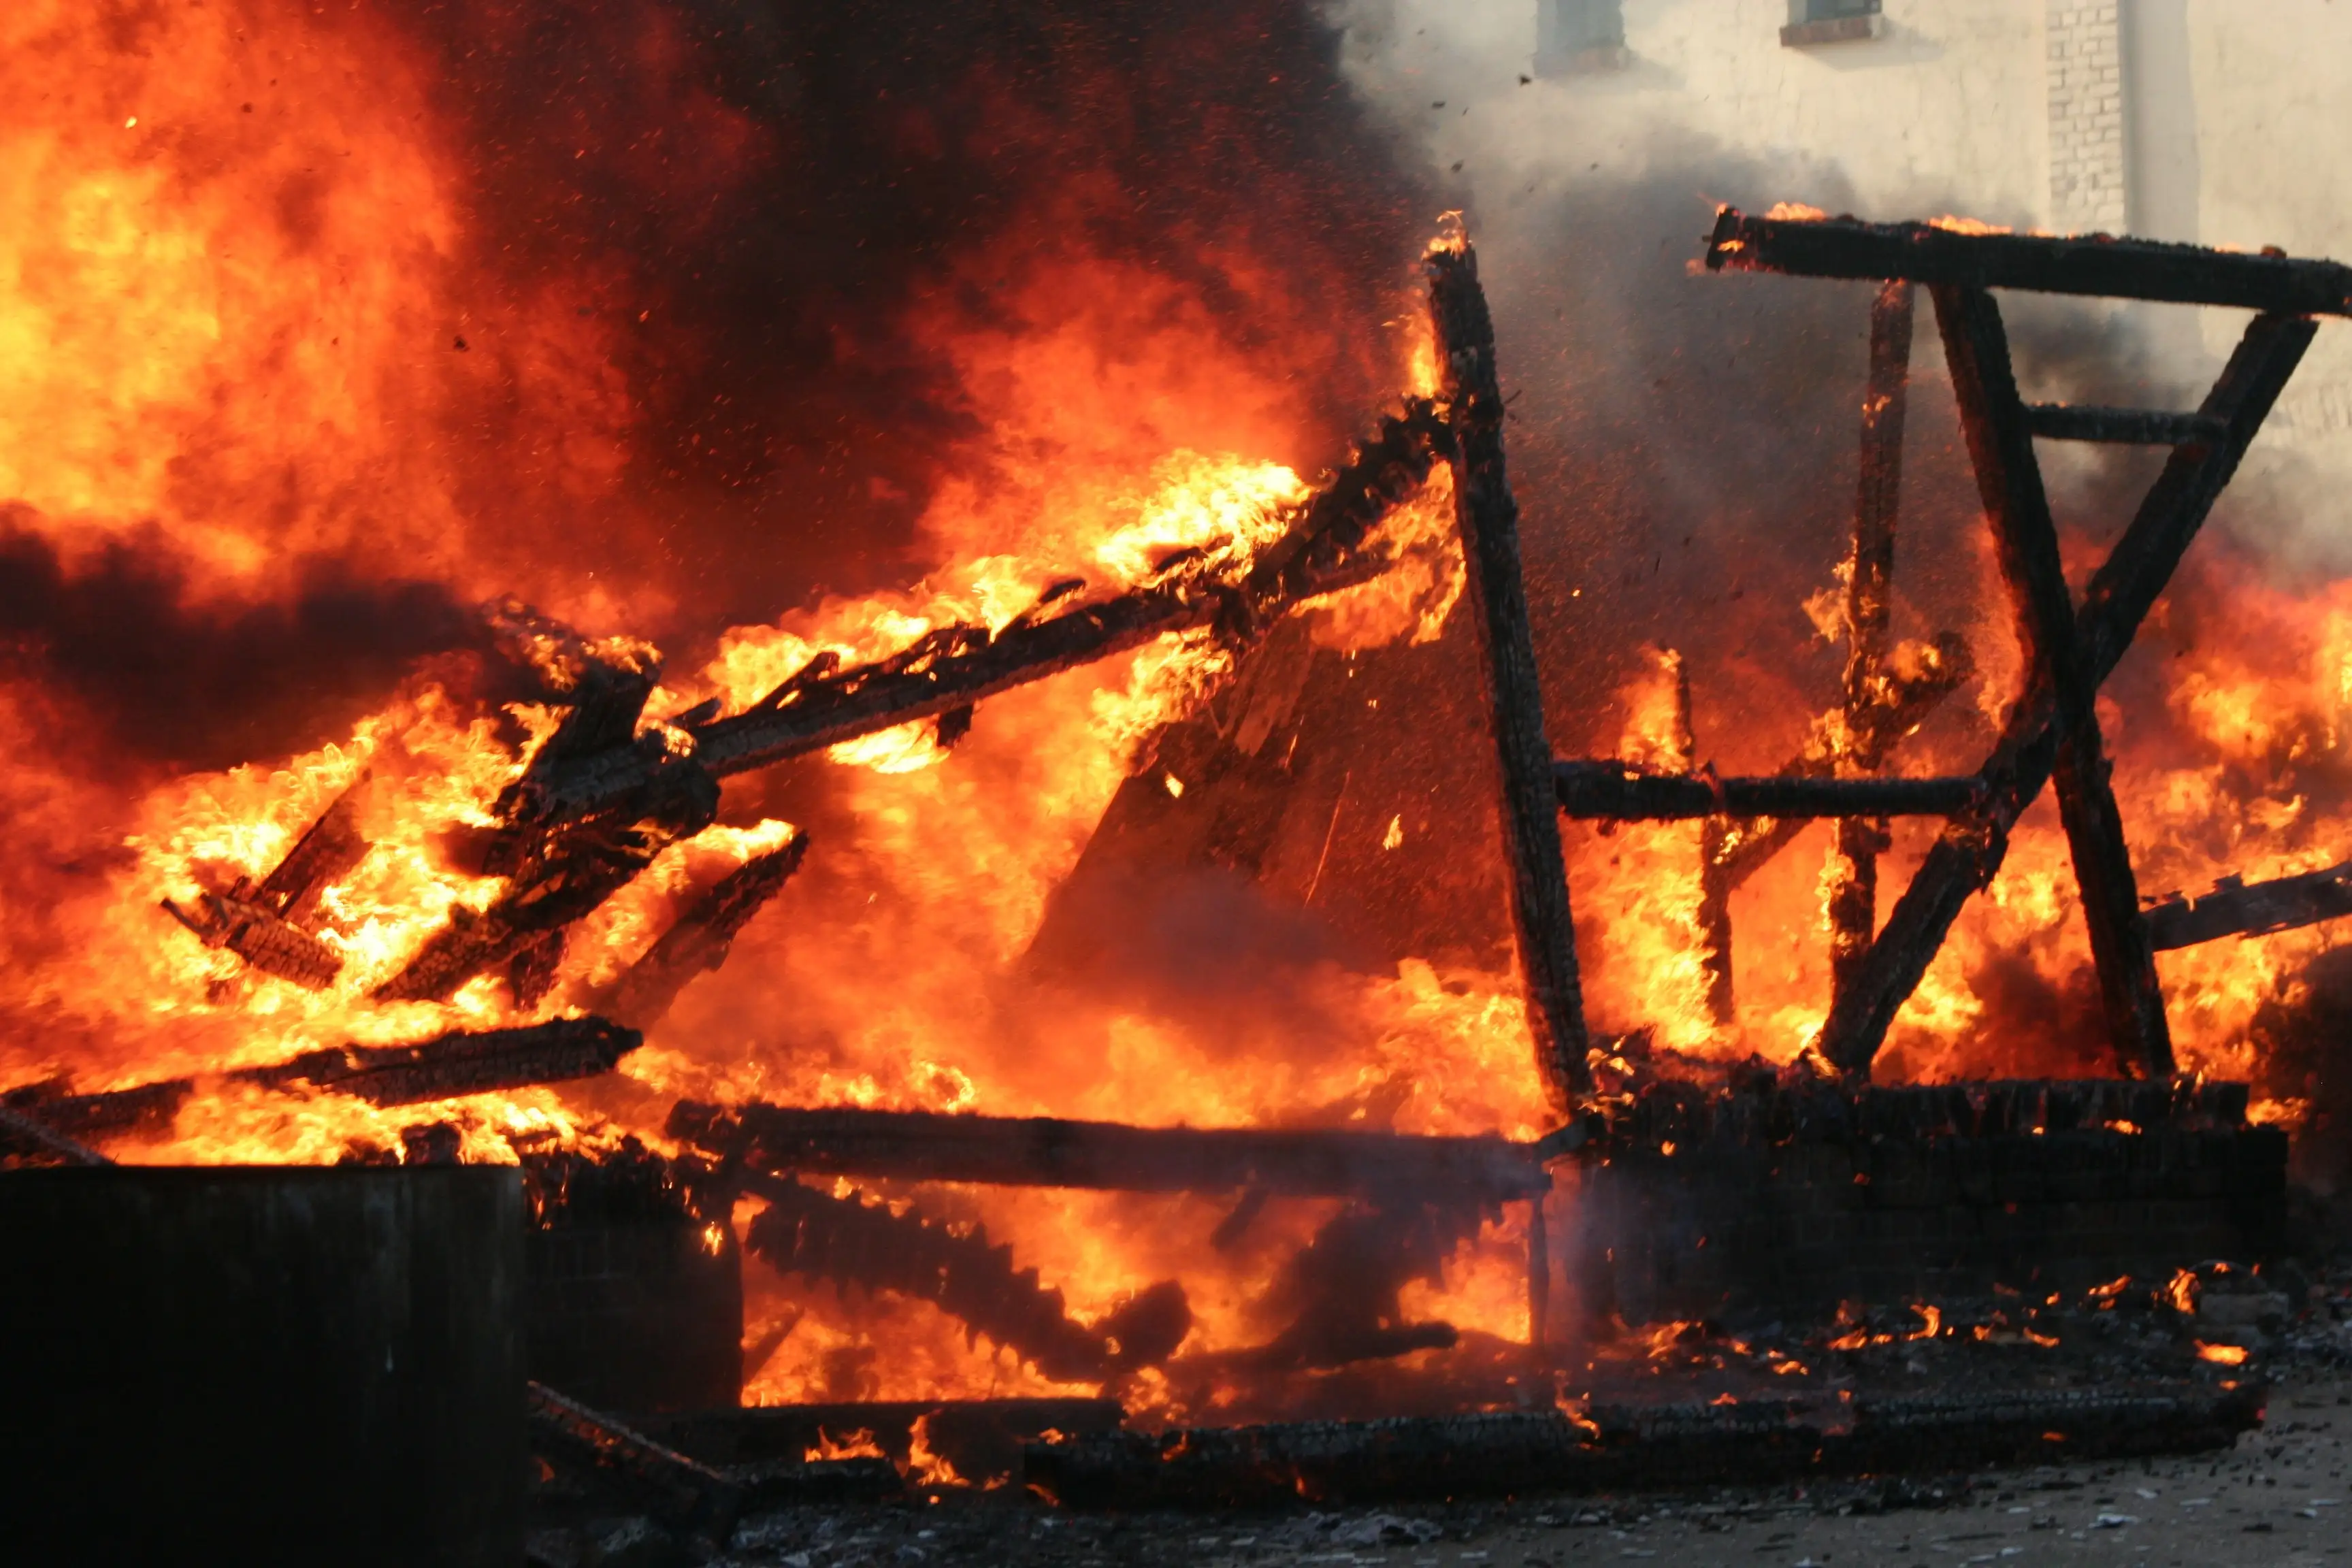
(2009, 477)
(30, 1137)
(1045, 1152)
(2059, 264)
(272, 924)
(444, 1068)
(1853, 892)
(1489, 520)
(2238, 908)
(957, 667)
(700, 939)
(2120, 594)
(1622, 792)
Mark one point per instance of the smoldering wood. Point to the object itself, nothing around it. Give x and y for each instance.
(1852, 899)
(1969, 853)
(1044, 1151)
(872, 1246)
(770, 1484)
(699, 941)
(684, 1494)
(272, 924)
(2126, 426)
(825, 703)
(1488, 519)
(2236, 907)
(2094, 264)
(1621, 1447)
(1621, 792)
(448, 1066)
(726, 1438)
(2008, 478)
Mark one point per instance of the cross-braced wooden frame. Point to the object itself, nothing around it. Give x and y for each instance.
(2052, 732)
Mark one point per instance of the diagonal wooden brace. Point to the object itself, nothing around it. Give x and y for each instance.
(1969, 851)
(2000, 444)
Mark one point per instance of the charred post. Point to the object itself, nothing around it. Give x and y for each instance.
(1965, 858)
(1853, 885)
(1489, 520)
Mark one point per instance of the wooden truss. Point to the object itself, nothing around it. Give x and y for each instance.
(2052, 732)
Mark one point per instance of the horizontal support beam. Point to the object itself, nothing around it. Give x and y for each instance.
(2128, 426)
(1614, 790)
(1045, 1152)
(2237, 907)
(2094, 264)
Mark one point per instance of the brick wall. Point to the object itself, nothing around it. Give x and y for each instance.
(2085, 66)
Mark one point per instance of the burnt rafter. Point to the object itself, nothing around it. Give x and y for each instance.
(1622, 792)
(1970, 257)
(445, 1066)
(2235, 907)
(2052, 730)
(953, 667)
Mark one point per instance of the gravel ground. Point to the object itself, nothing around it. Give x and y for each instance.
(2280, 1496)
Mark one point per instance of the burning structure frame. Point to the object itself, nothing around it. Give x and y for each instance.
(608, 790)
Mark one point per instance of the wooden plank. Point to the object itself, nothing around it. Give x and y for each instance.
(2129, 426)
(2008, 478)
(1968, 854)
(1489, 519)
(2094, 264)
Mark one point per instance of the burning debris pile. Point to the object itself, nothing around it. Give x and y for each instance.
(1008, 1220)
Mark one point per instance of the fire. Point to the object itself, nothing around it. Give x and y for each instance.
(855, 1444)
(2223, 1355)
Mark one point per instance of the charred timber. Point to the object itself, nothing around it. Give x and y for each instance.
(957, 667)
(1852, 895)
(701, 939)
(2238, 908)
(1744, 1442)
(1043, 1151)
(448, 1066)
(756, 1433)
(2094, 263)
(2009, 480)
(2126, 426)
(684, 1494)
(872, 1246)
(1625, 792)
(1488, 519)
(272, 924)
(1970, 852)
